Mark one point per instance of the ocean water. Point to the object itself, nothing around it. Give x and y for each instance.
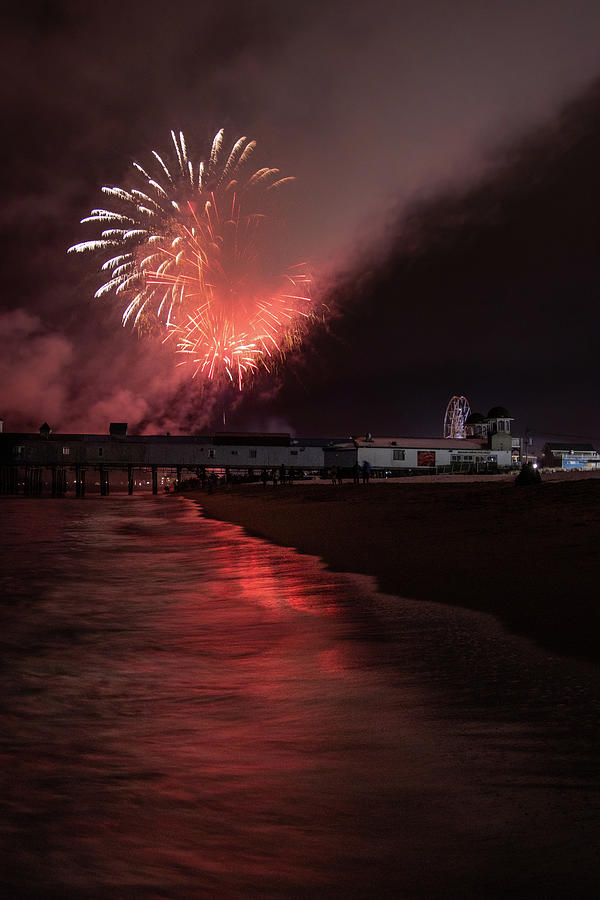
(191, 712)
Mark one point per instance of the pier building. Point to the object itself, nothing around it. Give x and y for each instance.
(30, 463)
(61, 463)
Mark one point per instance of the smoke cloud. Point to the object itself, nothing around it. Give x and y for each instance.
(33, 366)
(46, 377)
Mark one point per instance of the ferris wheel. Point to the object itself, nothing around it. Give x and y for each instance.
(457, 412)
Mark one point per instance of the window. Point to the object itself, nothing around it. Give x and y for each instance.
(501, 425)
(252, 454)
(211, 454)
(398, 454)
(19, 450)
(99, 451)
(234, 453)
(293, 453)
(66, 451)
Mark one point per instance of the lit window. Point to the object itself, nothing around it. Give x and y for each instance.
(66, 451)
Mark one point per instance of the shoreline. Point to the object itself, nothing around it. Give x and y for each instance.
(528, 555)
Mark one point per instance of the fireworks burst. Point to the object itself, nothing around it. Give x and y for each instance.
(190, 254)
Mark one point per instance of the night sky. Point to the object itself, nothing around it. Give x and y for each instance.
(447, 196)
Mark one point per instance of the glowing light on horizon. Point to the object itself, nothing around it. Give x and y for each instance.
(190, 254)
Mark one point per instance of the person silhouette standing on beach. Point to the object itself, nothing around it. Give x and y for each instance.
(366, 472)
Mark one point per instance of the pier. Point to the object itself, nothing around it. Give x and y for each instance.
(57, 464)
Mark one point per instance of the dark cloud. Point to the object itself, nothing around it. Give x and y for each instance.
(492, 291)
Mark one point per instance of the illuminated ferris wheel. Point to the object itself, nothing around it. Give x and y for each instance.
(455, 420)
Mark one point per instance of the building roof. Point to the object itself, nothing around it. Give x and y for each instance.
(566, 447)
(316, 442)
(499, 412)
(251, 439)
(241, 438)
(412, 443)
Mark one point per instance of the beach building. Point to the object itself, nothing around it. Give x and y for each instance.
(488, 446)
(62, 462)
(498, 421)
(392, 456)
(33, 462)
(568, 456)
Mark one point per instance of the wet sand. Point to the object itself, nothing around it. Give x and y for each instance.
(527, 555)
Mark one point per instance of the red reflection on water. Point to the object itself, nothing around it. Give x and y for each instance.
(262, 578)
(192, 713)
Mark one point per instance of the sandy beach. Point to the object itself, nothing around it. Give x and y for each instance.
(527, 555)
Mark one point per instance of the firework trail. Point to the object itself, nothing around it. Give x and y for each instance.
(189, 255)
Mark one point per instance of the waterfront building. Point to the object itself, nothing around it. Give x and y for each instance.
(402, 456)
(31, 463)
(568, 456)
